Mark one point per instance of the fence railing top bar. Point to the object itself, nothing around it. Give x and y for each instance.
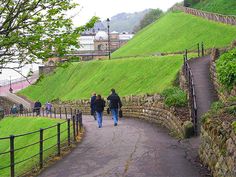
(202, 11)
(25, 134)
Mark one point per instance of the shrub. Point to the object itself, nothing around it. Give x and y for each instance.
(174, 97)
(226, 69)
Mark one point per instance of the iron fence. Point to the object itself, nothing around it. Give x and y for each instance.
(73, 128)
(191, 86)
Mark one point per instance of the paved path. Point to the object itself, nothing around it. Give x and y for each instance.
(133, 148)
(205, 91)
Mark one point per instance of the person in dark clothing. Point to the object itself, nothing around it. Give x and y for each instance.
(115, 104)
(21, 108)
(99, 108)
(37, 107)
(92, 105)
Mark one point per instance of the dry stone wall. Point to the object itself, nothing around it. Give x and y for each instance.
(217, 149)
(226, 19)
(148, 108)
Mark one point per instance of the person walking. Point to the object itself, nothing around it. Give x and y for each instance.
(37, 107)
(48, 107)
(99, 108)
(92, 105)
(115, 104)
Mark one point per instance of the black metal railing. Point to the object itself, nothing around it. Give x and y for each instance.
(191, 85)
(72, 127)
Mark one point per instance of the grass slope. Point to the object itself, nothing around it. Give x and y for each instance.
(15, 126)
(128, 76)
(176, 31)
(227, 7)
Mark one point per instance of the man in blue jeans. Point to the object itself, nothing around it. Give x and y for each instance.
(115, 104)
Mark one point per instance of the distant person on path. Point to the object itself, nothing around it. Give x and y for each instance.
(37, 107)
(48, 107)
(115, 104)
(14, 109)
(99, 108)
(92, 105)
(21, 108)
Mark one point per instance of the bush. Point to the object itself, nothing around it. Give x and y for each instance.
(188, 129)
(174, 97)
(226, 69)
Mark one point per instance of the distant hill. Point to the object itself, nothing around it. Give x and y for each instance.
(227, 7)
(126, 21)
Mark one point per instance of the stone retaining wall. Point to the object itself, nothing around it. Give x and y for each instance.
(222, 95)
(149, 108)
(217, 149)
(226, 19)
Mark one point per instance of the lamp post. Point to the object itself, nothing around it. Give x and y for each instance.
(108, 31)
(10, 89)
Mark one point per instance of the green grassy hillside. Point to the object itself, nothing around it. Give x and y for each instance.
(175, 32)
(227, 7)
(15, 126)
(127, 76)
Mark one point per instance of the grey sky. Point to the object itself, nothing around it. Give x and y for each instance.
(107, 8)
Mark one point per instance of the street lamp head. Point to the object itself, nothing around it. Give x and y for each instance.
(108, 20)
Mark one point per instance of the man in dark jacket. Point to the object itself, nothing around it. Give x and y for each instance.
(92, 105)
(99, 108)
(115, 104)
(37, 107)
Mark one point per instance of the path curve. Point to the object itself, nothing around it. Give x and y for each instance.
(205, 91)
(133, 148)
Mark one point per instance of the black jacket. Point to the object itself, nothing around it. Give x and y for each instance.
(99, 105)
(115, 102)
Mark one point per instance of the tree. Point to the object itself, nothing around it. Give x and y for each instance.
(36, 29)
(189, 3)
(149, 18)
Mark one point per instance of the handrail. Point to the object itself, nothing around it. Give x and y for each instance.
(191, 86)
(74, 123)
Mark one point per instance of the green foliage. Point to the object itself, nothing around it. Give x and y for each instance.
(234, 126)
(128, 76)
(14, 126)
(216, 106)
(226, 7)
(174, 97)
(39, 29)
(177, 31)
(226, 69)
(188, 129)
(149, 18)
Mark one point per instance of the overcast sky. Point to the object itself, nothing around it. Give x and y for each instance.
(107, 8)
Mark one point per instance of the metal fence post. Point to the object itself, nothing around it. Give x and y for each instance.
(198, 49)
(80, 121)
(12, 155)
(71, 113)
(41, 149)
(77, 124)
(58, 139)
(66, 112)
(203, 49)
(68, 131)
(73, 119)
(54, 112)
(43, 111)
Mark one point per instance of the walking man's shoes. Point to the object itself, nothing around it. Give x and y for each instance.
(115, 124)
